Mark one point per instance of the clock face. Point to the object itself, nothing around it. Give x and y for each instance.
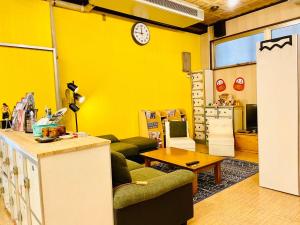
(140, 33)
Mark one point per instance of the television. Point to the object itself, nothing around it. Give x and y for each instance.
(251, 117)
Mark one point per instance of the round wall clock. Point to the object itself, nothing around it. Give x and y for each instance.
(140, 33)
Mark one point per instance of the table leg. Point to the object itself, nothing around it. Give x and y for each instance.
(147, 162)
(218, 175)
(195, 183)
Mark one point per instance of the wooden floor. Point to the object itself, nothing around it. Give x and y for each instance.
(242, 204)
(247, 203)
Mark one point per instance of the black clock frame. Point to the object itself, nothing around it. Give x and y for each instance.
(133, 37)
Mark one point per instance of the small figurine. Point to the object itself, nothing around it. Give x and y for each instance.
(5, 116)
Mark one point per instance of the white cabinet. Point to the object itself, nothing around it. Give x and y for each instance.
(235, 114)
(66, 182)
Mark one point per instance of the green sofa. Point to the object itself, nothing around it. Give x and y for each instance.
(166, 199)
(130, 147)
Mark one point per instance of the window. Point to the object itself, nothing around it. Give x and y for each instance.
(284, 31)
(237, 51)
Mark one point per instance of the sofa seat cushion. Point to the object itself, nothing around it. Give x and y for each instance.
(133, 165)
(131, 194)
(145, 174)
(144, 144)
(120, 172)
(125, 148)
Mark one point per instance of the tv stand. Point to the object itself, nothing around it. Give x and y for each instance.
(246, 142)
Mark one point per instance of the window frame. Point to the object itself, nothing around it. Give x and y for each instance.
(215, 42)
(266, 30)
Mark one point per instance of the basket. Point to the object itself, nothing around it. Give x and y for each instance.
(37, 129)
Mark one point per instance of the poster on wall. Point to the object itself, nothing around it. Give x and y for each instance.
(239, 84)
(220, 85)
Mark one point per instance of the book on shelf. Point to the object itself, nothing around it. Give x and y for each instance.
(150, 114)
(156, 135)
(152, 125)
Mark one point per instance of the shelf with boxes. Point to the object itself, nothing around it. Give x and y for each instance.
(202, 95)
(152, 123)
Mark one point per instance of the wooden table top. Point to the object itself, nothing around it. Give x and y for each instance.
(35, 150)
(179, 157)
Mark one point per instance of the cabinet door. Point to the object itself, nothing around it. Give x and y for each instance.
(23, 219)
(11, 157)
(6, 192)
(21, 173)
(34, 220)
(14, 203)
(5, 159)
(34, 190)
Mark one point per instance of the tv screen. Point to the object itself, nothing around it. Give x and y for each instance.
(251, 117)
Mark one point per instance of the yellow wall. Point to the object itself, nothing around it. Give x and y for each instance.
(117, 76)
(26, 22)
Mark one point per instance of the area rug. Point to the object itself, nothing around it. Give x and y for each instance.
(233, 171)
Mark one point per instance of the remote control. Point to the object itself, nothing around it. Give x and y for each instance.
(192, 163)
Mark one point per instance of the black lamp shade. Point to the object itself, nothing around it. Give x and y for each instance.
(74, 107)
(73, 87)
(79, 98)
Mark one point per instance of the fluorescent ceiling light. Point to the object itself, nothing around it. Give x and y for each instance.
(232, 3)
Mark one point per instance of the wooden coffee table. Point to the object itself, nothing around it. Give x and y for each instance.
(179, 157)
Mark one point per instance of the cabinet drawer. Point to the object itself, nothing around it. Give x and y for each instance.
(225, 112)
(197, 77)
(198, 102)
(211, 112)
(197, 94)
(198, 85)
(199, 119)
(34, 190)
(200, 136)
(198, 111)
(199, 127)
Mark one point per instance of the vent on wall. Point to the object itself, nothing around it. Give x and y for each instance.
(172, 12)
(175, 6)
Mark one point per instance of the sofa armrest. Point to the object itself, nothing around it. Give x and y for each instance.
(131, 194)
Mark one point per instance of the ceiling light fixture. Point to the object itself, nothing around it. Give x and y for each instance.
(232, 3)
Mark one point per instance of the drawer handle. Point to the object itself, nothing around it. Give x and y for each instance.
(1, 154)
(6, 162)
(15, 170)
(26, 183)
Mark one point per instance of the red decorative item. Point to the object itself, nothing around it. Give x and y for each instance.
(239, 84)
(220, 85)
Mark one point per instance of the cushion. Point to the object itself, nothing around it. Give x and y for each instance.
(145, 174)
(110, 137)
(133, 165)
(142, 143)
(125, 148)
(178, 129)
(120, 172)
